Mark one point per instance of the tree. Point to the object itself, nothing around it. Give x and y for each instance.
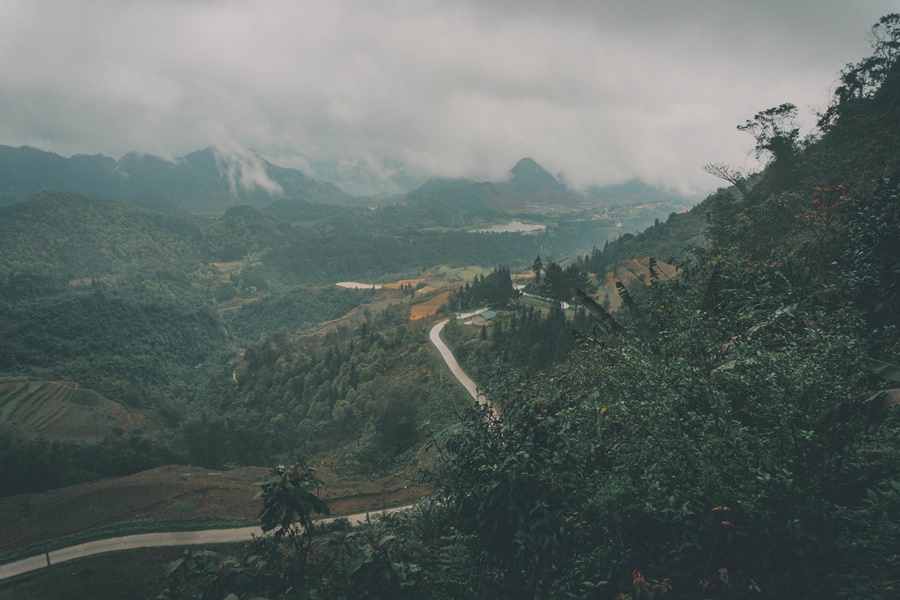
(776, 132)
(555, 284)
(537, 267)
(733, 175)
(862, 80)
(288, 499)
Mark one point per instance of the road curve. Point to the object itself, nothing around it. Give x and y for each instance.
(155, 540)
(452, 364)
(217, 536)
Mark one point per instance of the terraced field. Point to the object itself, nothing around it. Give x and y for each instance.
(59, 410)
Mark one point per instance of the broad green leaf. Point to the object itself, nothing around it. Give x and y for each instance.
(173, 566)
(607, 323)
(882, 369)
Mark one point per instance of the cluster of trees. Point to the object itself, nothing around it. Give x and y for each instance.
(103, 337)
(494, 290)
(367, 392)
(36, 465)
(522, 338)
(293, 309)
(367, 253)
(557, 283)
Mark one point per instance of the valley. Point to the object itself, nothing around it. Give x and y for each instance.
(613, 391)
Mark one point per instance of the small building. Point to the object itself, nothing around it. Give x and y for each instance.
(483, 318)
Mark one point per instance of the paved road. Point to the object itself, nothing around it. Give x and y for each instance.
(457, 371)
(217, 536)
(448, 357)
(154, 540)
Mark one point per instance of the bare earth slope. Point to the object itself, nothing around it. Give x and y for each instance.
(173, 492)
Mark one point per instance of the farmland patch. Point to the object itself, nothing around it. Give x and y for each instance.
(61, 411)
(428, 307)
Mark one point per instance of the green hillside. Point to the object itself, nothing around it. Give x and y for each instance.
(56, 410)
(732, 432)
(67, 235)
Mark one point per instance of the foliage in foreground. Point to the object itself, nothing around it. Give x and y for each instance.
(697, 454)
(738, 438)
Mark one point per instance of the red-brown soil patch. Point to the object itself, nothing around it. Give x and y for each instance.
(428, 307)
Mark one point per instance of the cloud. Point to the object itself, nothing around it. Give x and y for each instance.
(377, 96)
(244, 170)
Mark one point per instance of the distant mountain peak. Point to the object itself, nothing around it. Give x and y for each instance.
(526, 165)
(528, 174)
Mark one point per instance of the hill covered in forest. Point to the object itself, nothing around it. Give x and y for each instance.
(731, 432)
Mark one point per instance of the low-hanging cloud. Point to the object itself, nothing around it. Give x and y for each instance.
(245, 171)
(375, 96)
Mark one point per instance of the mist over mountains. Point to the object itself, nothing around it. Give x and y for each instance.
(209, 181)
(206, 181)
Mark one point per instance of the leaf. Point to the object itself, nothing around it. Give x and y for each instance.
(627, 300)
(869, 405)
(711, 293)
(884, 370)
(355, 566)
(642, 328)
(651, 266)
(173, 566)
(789, 309)
(605, 321)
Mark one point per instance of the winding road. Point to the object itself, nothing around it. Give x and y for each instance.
(221, 536)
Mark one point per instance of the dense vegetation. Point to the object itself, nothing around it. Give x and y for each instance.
(521, 338)
(365, 393)
(153, 309)
(733, 435)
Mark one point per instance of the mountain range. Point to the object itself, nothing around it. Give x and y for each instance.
(209, 181)
(204, 182)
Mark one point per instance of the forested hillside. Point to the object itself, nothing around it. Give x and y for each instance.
(739, 437)
(160, 313)
(731, 433)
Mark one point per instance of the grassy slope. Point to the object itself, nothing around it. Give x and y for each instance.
(60, 411)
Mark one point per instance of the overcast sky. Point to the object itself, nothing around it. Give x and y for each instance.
(375, 96)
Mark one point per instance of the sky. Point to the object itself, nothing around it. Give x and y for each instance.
(377, 96)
